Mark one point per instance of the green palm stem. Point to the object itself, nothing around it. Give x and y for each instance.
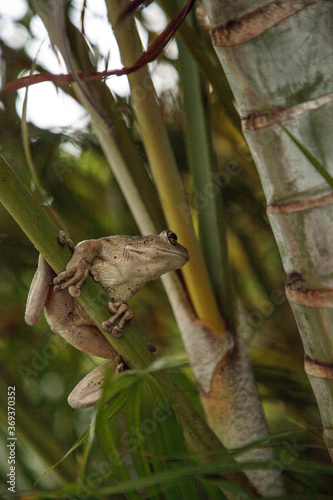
(163, 166)
(207, 193)
(207, 61)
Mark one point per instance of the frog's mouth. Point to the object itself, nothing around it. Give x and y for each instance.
(162, 250)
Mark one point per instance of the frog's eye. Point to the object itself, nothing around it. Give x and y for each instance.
(172, 237)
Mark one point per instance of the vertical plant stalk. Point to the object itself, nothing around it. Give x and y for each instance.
(206, 60)
(210, 210)
(163, 165)
(228, 393)
(232, 379)
(262, 51)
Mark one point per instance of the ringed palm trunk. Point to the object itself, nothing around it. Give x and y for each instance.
(279, 61)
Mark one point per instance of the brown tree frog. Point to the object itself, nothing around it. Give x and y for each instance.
(123, 265)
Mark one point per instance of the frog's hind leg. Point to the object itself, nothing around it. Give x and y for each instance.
(66, 317)
(39, 289)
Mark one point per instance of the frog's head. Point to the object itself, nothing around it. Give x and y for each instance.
(126, 263)
(166, 249)
(156, 255)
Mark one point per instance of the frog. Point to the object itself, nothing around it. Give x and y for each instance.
(122, 265)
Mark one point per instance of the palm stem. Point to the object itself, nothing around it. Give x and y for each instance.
(207, 193)
(164, 168)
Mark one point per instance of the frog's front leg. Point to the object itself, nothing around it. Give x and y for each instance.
(77, 269)
(118, 309)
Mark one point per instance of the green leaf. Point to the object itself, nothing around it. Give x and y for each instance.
(108, 442)
(77, 443)
(168, 363)
(160, 436)
(135, 436)
(312, 159)
(87, 449)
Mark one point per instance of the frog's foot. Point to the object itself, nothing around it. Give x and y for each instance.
(120, 366)
(118, 309)
(89, 390)
(64, 240)
(76, 273)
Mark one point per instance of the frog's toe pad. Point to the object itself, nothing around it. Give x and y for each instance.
(110, 328)
(117, 331)
(62, 237)
(74, 291)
